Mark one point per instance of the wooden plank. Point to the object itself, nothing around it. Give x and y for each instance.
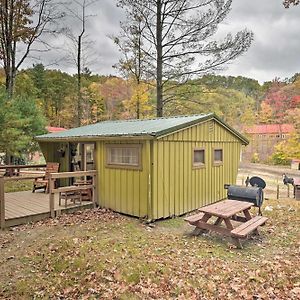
(21, 206)
(51, 197)
(244, 229)
(194, 218)
(72, 188)
(214, 228)
(23, 178)
(2, 203)
(22, 166)
(72, 174)
(226, 208)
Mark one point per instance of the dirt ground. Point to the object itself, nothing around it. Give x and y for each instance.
(272, 176)
(98, 254)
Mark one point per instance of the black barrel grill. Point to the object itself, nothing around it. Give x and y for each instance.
(252, 194)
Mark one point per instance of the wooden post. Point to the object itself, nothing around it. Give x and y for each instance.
(95, 190)
(2, 203)
(277, 196)
(51, 196)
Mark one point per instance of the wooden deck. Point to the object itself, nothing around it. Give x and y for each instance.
(25, 207)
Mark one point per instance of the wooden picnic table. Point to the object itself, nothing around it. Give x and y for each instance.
(227, 211)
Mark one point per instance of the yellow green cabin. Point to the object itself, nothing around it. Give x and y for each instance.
(153, 168)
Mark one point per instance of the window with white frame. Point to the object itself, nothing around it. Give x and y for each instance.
(124, 156)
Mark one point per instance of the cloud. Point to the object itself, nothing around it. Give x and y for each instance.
(274, 52)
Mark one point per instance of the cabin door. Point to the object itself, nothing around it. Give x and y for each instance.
(82, 157)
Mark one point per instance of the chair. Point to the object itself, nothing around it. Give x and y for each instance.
(42, 183)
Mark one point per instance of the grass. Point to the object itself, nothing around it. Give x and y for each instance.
(18, 186)
(99, 254)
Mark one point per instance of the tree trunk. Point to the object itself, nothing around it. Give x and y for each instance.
(159, 63)
(79, 82)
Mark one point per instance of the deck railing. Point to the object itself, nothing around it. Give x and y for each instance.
(2, 203)
(52, 190)
(2, 193)
(15, 170)
(65, 175)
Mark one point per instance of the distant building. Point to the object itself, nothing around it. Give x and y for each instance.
(51, 129)
(263, 138)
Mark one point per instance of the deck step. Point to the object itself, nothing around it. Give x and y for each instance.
(244, 229)
(194, 218)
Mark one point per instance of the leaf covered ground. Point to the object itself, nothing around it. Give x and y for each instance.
(98, 254)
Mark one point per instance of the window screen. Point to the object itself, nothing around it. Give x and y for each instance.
(218, 156)
(199, 157)
(126, 156)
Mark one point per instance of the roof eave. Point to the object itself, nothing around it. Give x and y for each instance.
(94, 138)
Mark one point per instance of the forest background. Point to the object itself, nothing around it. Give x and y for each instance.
(36, 97)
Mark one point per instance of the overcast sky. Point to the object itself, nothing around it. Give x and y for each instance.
(275, 51)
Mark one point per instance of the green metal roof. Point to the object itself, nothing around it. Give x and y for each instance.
(133, 128)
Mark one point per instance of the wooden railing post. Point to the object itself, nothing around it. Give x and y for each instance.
(2, 203)
(51, 196)
(95, 190)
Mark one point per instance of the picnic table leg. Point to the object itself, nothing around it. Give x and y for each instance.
(218, 221)
(228, 224)
(237, 243)
(197, 230)
(235, 240)
(247, 214)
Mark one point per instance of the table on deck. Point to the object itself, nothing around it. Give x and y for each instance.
(227, 211)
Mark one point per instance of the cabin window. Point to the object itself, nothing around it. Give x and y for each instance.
(124, 156)
(198, 158)
(218, 156)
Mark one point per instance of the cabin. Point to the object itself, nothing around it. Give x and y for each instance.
(154, 168)
(263, 138)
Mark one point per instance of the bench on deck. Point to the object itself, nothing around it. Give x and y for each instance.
(248, 227)
(72, 193)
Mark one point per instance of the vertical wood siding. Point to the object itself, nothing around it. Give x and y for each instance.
(124, 190)
(51, 154)
(178, 187)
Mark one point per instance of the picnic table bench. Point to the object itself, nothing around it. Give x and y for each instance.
(227, 211)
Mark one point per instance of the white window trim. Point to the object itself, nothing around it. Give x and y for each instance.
(109, 164)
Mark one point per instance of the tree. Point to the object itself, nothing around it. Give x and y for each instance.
(132, 64)
(139, 104)
(177, 39)
(114, 92)
(22, 24)
(266, 114)
(20, 122)
(287, 150)
(287, 3)
(80, 44)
